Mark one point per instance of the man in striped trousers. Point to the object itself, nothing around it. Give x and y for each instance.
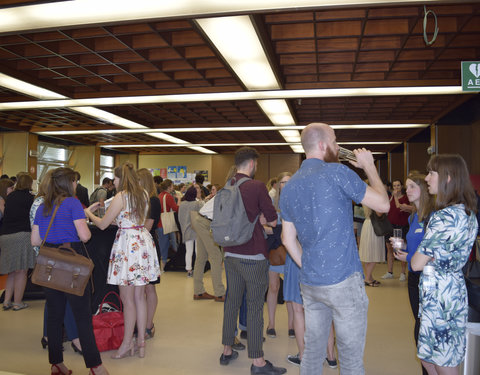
(246, 269)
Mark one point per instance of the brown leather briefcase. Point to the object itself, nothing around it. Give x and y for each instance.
(62, 269)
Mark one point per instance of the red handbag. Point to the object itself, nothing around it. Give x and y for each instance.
(108, 326)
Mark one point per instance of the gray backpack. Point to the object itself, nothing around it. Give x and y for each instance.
(93, 196)
(230, 225)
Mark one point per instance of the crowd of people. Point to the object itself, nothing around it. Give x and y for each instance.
(309, 212)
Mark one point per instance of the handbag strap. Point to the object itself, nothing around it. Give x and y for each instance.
(50, 224)
(104, 298)
(164, 202)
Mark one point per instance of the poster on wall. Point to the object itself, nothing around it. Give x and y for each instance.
(162, 172)
(181, 172)
(172, 172)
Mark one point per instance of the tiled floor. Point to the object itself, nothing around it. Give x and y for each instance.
(188, 336)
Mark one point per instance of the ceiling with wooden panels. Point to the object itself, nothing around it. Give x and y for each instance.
(318, 48)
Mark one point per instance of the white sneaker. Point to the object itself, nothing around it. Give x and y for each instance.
(388, 275)
(402, 277)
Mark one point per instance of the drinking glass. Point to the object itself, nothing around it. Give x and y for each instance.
(397, 239)
(346, 155)
(101, 211)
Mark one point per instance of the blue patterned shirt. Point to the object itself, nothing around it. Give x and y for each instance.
(318, 201)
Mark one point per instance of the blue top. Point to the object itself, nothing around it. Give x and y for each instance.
(414, 237)
(318, 201)
(63, 229)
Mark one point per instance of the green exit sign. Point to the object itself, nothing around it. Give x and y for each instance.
(470, 75)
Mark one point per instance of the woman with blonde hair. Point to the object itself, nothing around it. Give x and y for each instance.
(133, 260)
(441, 255)
(147, 182)
(69, 225)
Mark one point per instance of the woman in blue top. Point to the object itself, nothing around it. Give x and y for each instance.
(69, 225)
(445, 248)
(417, 192)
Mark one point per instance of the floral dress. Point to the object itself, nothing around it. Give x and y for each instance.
(133, 260)
(443, 311)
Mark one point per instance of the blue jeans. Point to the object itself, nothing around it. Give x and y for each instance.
(173, 240)
(164, 243)
(68, 322)
(346, 303)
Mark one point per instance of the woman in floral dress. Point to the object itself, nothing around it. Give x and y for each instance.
(133, 260)
(446, 246)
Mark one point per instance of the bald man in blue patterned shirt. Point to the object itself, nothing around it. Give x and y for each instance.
(316, 208)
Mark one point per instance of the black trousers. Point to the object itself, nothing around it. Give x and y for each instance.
(414, 296)
(81, 307)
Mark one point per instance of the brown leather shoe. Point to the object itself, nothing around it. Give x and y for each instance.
(204, 295)
(220, 299)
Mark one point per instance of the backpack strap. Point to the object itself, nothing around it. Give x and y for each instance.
(241, 181)
(238, 183)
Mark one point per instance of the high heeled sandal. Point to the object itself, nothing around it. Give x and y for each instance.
(141, 349)
(76, 349)
(150, 332)
(59, 371)
(128, 353)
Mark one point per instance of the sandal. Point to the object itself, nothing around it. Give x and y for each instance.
(7, 306)
(373, 283)
(19, 306)
(149, 332)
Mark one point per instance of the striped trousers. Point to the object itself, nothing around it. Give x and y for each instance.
(252, 276)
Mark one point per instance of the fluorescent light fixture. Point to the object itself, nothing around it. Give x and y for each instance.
(202, 149)
(225, 129)
(253, 144)
(277, 111)
(242, 95)
(84, 12)
(381, 126)
(168, 138)
(298, 149)
(100, 114)
(237, 41)
(369, 143)
(143, 145)
(27, 88)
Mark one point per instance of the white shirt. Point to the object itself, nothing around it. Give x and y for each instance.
(207, 209)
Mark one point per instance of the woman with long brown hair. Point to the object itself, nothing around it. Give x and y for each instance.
(441, 255)
(133, 260)
(69, 226)
(423, 202)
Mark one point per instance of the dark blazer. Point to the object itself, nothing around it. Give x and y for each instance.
(82, 195)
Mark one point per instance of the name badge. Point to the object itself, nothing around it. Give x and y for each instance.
(419, 230)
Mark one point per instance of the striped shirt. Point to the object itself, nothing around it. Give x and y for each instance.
(63, 229)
